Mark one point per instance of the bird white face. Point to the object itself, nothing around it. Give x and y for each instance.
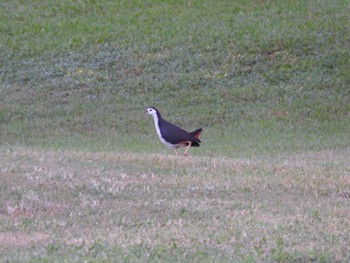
(151, 111)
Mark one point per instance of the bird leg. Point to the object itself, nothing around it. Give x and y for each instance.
(176, 153)
(189, 145)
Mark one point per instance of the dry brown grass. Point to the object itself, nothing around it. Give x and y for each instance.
(277, 208)
(18, 240)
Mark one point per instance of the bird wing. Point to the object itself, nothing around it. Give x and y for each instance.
(175, 135)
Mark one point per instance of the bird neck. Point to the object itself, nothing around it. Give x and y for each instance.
(156, 118)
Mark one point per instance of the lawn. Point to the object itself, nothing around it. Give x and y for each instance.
(83, 176)
(127, 207)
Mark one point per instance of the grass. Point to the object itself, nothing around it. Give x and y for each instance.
(83, 206)
(249, 63)
(83, 177)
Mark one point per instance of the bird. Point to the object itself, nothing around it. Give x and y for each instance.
(173, 136)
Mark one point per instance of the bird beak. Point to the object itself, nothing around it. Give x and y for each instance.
(145, 111)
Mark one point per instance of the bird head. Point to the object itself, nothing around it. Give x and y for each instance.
(151, 111)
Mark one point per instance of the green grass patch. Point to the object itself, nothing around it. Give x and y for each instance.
(72, 69)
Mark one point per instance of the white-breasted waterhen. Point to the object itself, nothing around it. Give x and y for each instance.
(173, 136)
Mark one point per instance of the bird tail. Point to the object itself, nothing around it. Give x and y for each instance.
(197, 133)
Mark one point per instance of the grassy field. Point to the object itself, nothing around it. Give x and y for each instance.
(83, 176)
(127, 207)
